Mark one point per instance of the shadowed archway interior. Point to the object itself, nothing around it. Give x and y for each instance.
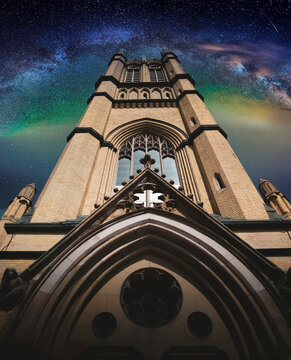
(81, 271)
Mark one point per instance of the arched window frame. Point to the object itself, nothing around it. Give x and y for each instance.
(122, 95)
(146, 142)
(156, 90)
(145, 94)
(133, 94)
(167, 93)
(156, 73)
(132, 74)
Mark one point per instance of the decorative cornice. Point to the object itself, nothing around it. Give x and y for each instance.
(107, 78)
(171, 58)
(186, 92)
(7, 255)
(143, 101)
(275, 252)
(149, 84)
(118, 59)
(181, 76)
(171, 55)
(41, 228)
(102, 93)
(257, 225)
(114, 59)
(94, 133)
(125, 62)
(65, 226)
(130, 101)
(199, 131)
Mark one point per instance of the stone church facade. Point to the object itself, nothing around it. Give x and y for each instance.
(149, 240)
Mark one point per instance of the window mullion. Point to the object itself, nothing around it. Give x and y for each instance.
(146, 143)
(131, 160)
(161, 158)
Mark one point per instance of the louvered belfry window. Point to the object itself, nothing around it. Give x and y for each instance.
(132, 74)
(156, 73)
(135, 148)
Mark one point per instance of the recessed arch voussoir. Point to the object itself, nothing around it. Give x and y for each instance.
(158, 127)
(84, 266)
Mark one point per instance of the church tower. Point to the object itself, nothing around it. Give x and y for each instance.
(149, 240)
(158, 99)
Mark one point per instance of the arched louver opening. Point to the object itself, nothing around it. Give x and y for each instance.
(134, 149)
(132, 73)
(156, 73)
(219, 182)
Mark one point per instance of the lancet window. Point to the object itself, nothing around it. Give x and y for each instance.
(132, 73)
(135, 148)
(156, 73)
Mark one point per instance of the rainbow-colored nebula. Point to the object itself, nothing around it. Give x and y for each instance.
(48, 74)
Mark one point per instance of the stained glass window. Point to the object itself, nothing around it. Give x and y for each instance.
(134, 149)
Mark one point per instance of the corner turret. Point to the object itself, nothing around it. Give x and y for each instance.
(273, 197)
(171, 63)
(116, 64)
(20, 204)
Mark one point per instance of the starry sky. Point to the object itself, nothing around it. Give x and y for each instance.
(52, 53)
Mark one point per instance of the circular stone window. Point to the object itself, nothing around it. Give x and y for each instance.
(151, 297)
(104, 324)
(199, 324)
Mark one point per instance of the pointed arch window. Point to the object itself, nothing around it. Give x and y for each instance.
(135, 148)
(156, 73)
(132, 74)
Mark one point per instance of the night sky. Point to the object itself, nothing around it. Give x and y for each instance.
(238, 52)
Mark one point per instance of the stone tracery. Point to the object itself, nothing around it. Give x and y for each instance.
(147, 142)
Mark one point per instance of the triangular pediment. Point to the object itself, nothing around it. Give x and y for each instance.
(170, 200)
(122, 208)
(174, 202)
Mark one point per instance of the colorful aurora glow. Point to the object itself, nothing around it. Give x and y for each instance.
(53, 54)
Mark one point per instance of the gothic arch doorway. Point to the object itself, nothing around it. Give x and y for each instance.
(70, 288)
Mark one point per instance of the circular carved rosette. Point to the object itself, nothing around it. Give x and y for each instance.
(151, 297)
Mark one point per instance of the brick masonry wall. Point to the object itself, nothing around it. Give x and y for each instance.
(239, 199)
(266, 239)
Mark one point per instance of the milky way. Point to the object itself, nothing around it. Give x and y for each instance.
(51, 55)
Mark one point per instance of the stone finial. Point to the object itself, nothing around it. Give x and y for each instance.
(164, 50)
(122, 51)
(28, 192)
